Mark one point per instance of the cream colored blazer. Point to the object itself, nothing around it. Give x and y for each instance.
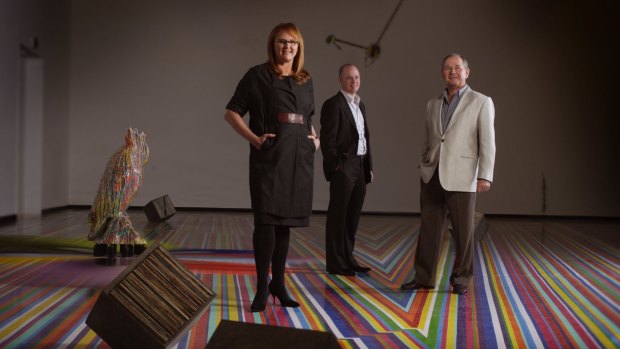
(466, 150)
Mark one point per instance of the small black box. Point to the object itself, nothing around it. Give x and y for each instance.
(160, 209)
(241, 335)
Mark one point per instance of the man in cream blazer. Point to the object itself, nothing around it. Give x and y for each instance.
(457, 161)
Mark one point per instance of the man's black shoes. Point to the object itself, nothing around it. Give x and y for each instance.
(359, 269)
(343, 272)
(350, 271)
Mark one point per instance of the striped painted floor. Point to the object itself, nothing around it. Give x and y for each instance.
(552, 284)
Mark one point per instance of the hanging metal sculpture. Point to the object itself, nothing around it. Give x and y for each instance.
(373, 51)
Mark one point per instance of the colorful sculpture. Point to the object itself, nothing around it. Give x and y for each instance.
(108, 219)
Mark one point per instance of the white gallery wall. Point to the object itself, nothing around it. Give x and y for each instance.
(169, 68)
(40, 168)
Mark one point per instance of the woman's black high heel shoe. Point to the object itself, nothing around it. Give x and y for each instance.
(260, 299)
(282, 295)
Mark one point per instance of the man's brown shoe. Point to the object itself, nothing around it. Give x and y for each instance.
(413, 285)
(459, 289)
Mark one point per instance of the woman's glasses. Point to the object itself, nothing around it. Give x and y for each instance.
(283, 42)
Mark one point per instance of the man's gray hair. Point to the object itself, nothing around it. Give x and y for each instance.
(454, 54)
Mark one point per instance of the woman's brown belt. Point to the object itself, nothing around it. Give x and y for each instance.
(291, 118)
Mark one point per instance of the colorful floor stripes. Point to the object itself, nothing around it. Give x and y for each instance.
(537, 285)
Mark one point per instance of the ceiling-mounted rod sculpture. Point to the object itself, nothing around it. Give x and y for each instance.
(373, 51)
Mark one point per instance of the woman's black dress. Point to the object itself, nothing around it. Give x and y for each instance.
(281, 172)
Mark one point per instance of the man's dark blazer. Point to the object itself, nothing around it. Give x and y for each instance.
(339, 136)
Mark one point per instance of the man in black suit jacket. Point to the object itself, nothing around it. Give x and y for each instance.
(348, 167)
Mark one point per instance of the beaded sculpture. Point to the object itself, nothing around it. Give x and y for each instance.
(108, 219)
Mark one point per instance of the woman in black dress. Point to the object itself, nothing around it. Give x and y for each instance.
(279, 97)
